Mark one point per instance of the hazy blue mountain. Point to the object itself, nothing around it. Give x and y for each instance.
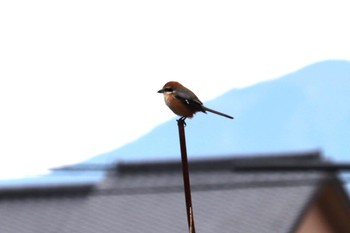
(307, 109)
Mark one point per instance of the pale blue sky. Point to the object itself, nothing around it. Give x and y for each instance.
(79, 78)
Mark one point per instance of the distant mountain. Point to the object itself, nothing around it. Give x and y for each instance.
(307, 109)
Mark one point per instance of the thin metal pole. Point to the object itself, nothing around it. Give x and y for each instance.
(186, 178)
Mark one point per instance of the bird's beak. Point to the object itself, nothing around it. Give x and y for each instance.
(161, 91)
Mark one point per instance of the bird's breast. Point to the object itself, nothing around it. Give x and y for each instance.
(178, 107)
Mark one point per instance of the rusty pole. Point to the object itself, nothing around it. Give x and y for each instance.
(186, 178)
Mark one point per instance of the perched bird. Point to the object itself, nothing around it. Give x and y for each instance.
(184, 102)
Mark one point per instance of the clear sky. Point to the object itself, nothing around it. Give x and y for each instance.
(79, 78)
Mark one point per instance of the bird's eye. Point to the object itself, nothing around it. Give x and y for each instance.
(168, 89)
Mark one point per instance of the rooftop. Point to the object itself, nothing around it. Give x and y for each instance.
(148, 197)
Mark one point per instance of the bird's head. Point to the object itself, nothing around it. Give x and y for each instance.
(170, 87)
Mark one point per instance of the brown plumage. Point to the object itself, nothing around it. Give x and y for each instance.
(184, 102)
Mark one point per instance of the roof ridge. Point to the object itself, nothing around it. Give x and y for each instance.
(222, 163)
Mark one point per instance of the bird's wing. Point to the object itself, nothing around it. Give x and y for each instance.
(189, 98)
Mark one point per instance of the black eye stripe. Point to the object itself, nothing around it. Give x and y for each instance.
(168, 89)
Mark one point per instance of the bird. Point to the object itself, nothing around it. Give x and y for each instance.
(183, 102)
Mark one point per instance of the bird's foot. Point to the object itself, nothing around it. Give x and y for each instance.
(182, 119)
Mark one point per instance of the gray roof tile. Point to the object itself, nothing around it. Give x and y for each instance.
(149, 198)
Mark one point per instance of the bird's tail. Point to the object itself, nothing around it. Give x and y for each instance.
(216, 112)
